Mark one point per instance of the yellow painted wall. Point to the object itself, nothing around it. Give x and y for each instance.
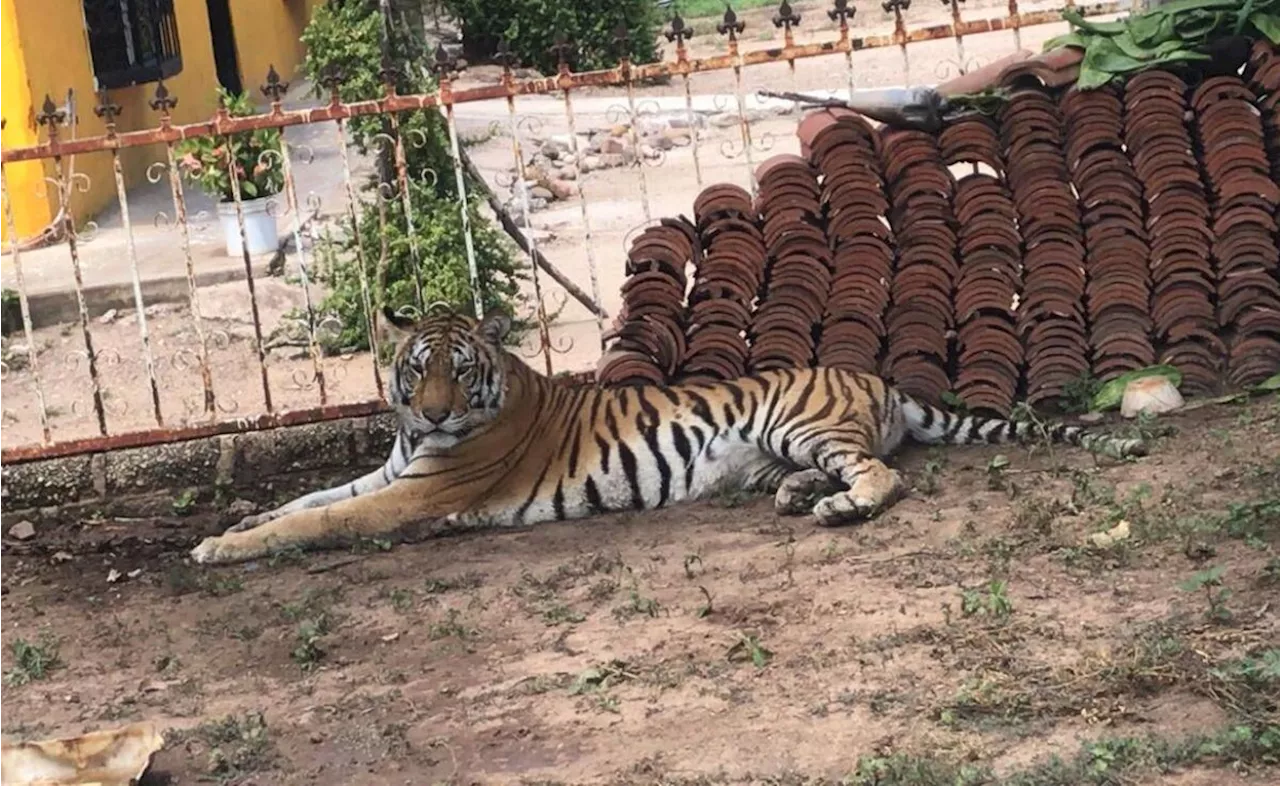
(46, 47)
(23, 180)
(267, 33)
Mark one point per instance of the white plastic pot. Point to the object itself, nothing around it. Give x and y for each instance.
(259, 227)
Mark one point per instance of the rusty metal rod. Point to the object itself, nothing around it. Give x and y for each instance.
(541, 86)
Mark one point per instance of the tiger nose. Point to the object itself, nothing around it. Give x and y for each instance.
(436, 416)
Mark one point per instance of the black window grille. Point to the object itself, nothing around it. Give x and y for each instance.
(132, 41)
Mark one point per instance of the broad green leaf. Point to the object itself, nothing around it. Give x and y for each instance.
(1270, 383)
(1268, 25)
(1148, 30)
(1101, 28)
(1105, 55)
(1130, 48)
(1092, 78)
(1075, 39)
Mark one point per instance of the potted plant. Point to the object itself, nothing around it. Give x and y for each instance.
(207, 162)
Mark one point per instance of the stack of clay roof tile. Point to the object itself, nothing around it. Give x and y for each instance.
(1243, 198)
(1177, 219)
(725, 284)
(989, 355)
(799, 274)
(1051, 318)
(844, 149)
(649, 333)
(1263, 73)
(1118, 293)
(919, 321)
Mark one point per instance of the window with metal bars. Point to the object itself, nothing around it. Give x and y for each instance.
(132, 41)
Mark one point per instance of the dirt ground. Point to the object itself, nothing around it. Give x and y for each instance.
(965, 637)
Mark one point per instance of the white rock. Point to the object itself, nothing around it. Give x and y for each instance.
(23, 530)
(1152, 395)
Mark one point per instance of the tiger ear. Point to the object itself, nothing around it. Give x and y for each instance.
(396, 326)
(494, 327)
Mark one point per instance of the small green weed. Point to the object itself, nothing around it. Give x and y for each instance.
(989, 600)
(749, 648)
(238, 745)
(560, 614)
(401, 599)
(1077, 394)
(931, 475)
(597, 680)
(311, 632)
(467, 581)
(185, 503)
(31, 660)
(181, 579)
(1216, 594)
(451, 627)
(707, 608)
(997, 480)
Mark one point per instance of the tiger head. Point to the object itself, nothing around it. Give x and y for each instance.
(450, 372)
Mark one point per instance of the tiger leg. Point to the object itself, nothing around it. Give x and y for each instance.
(801, 490)
(873, 486)
(378, 479)
(384, 512)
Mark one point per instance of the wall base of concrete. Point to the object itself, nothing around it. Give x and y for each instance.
(263, 466)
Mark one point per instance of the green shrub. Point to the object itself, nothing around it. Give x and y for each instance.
(530, 28)
(346, 35)
(442, 255)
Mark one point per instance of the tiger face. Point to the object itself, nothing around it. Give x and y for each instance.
(449, 374)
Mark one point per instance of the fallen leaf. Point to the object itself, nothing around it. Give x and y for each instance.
(1112, 536)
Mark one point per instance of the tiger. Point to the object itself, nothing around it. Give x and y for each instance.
(486, 441)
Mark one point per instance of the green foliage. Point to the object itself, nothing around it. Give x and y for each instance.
(1109, 761)
(346, 37)
(1216, 595)
(206, 161)
(1078, 394)
(1176, 32)
(714, 9)
(993, 603)
(442, 263)
(311, 632)
(31, 661)
(531, 26)
(238, 745)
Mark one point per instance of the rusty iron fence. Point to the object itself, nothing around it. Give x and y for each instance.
(94, 383)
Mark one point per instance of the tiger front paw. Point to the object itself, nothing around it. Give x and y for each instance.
(217, 550)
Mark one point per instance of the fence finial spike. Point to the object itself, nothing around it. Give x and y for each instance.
(679, 32)
(164, 101)
(107, 110)
(842, 12)
(274, 87)
(730, 25)
(50, 114)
